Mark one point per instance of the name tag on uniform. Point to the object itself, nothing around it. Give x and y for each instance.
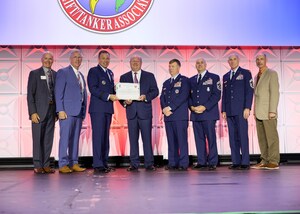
(43, 78)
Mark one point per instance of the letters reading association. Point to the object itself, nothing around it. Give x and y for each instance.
(90, 17)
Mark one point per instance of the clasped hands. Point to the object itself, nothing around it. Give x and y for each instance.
(167, 111)
(198, 109)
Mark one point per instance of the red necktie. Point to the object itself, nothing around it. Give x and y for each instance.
(135, 78)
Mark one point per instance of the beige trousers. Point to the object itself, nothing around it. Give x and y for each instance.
(268, 140)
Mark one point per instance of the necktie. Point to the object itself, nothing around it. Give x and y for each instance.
(199, 79)
(232, 75)
(171, 80)
(258, 77)
(107, 73)
(135, 78)
(50, 83)
(79, 81)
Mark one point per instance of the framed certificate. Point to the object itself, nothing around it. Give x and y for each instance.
(128, 91)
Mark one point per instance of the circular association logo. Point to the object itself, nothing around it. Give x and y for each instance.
(106, 16)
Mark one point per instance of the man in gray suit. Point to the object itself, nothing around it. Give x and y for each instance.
(42, 113)
(265, 110)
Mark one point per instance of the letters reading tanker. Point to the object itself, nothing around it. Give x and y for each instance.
(106, 24)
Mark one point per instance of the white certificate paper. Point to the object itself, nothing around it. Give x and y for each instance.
(128, 91)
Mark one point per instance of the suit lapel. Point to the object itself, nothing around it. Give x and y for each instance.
(263, 76)
(142, 77)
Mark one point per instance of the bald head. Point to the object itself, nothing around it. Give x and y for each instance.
(47, 59)
(200, 65)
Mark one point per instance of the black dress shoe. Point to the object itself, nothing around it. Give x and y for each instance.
(150, 168)
(132, 169)
(244, 167)
(199, 167)
(110, 169)
(101, 170)
(212, 167)
(171, 168)
(181, 168)
(234, 167)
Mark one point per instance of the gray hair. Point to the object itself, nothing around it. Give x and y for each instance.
(234, 54)
(46, 52)
(74, 51)
(136, 56)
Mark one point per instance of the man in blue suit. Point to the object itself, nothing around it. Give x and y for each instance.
(139, 114)
(174, 103)
(236, 104)
(70, 96)
(101, 85)
(203, 102)
(41, 109)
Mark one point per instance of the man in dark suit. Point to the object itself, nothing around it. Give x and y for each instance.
(139, 114)
(174, 103)
(42, 113)
(71, 97)
(236, 104)
(101, 85)
(204, 98)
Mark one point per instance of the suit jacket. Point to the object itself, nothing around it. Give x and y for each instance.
(237, 92)
(68, 95)
(148, 87)
(176, 95)
(266, 95)
(206, 93)
(38, 94)
(100, 86)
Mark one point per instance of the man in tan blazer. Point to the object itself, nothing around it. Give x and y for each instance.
(265, 109)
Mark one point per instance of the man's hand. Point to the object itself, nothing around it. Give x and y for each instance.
(199, 109)
(35, 118)
(224, 115)
(113, 97)
(142, 98)
(62, 115)
(167, 111)
(272, 115)
(246, 113)
(128, 102)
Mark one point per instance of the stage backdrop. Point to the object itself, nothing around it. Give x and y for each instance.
(17, 61)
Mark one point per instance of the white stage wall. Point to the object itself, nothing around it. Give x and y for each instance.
(17, 61)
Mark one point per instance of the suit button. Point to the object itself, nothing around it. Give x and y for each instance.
(197, 96)
(197, 90)
(231, 97)
(197, 101)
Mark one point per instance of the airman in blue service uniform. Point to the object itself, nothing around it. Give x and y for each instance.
(203, 103)
(174, 103)
(236, 104)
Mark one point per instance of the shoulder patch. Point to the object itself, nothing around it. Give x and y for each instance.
(251, 83)
(219, 85)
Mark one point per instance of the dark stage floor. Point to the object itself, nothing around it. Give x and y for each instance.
(223, 190)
